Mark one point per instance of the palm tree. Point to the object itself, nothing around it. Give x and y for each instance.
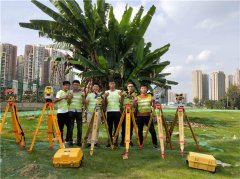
(102, 47)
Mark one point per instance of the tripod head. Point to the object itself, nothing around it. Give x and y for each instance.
(48, 93)
(99, 98)
(179, 99)
(129, 97)
(10, 96)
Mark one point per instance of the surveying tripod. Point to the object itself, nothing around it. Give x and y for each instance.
(128, 114)
(52, 121)
(98, 112)
(180, 115)
(17, 129)
(161, 122)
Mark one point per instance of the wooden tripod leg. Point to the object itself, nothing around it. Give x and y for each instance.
(173, 124)
(193, 135)
(94, 131)
(15, 125)
(181, 131)
(19, 128)
(171, 129)
(166, 130)
(135, 128)
(149, 124)
(160, 131)
(4, 118)
(50, 131)
(55, 123)
(106, 127)
(119, 127)
(38, 126)
(88, 129)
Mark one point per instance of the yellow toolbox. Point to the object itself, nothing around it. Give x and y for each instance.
(68, 157)
(202, 161)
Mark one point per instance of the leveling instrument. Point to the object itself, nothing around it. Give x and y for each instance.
(52, 120)
(180, 115)
(98, 112)
(128, 114)
(17, 129)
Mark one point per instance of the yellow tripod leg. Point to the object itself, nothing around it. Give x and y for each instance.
(119, 127)
(160, 131)
(135, 128)
(149, 124)
(127, 132)
(106, 127)
(38, 126)
(50, 131)
(181, 130)
(94, 131)
(55, 123)
(15, 125)
(4, 118)
(88, 129)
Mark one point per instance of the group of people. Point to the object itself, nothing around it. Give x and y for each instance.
(70, 104)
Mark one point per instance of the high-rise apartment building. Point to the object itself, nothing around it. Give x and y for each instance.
(217, 85)
(8, 62)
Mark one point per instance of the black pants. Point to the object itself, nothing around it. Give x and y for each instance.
(113, 118)
(123, 129)
(63, 118)
(78, 117)
(141, 121)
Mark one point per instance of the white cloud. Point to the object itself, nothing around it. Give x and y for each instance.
(170, 8)
(204, 55)
(189, 59)
(174, 70)
(208, 24)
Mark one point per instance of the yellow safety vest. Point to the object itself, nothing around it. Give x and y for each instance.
(144, 104)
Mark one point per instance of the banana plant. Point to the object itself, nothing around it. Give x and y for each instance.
(102, 47)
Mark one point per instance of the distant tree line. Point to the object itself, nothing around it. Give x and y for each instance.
(231, 100)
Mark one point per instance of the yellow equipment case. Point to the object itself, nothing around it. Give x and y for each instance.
(202, 161)
(68, 157)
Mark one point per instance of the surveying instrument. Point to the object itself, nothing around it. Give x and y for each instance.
(128, 114)
(161, 122)
(52, 120)
(17, 129)
(98, 112)
(180, 115)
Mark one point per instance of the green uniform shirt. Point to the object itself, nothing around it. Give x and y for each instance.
(62, 105)
(113, 100)
(76, 102)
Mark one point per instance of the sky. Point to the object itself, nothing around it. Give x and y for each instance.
(203, 35)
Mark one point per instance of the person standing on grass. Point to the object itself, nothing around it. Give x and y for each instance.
(128, 98)
(144, 103)
(75, 112)
(91, 101)
(113, 98)
(61, 100)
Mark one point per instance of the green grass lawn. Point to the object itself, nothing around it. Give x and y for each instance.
(220, 137)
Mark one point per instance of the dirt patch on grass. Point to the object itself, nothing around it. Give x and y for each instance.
(30, 170)
(195, 125)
